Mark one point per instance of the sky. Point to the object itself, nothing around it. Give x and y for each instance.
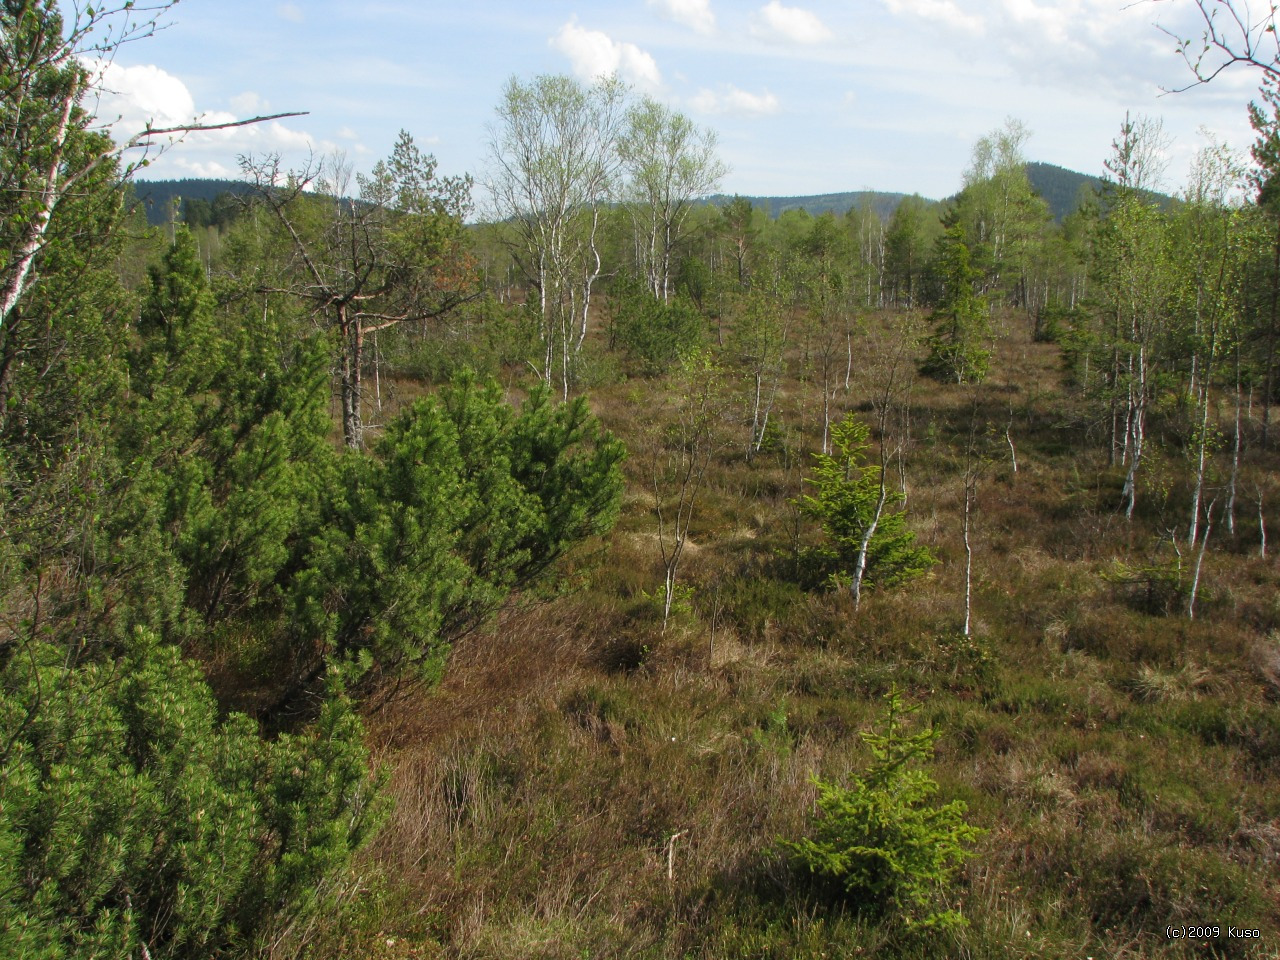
(821, 96)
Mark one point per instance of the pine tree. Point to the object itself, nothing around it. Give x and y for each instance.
(137, 821)
(868, 540)
(959, 349)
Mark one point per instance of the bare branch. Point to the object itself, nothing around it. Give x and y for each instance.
(1231, 36)
(139, 139)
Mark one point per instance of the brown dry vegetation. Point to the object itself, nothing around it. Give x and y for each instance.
(586, 784)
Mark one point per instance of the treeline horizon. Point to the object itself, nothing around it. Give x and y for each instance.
(1060, 186)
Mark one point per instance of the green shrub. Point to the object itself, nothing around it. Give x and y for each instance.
(757, 603)
(1053, 322)
(889, 848)
(854, 505)
(656, 334)
(464, 500)
(136, 821)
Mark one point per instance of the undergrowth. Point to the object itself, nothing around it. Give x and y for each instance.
(585, 783)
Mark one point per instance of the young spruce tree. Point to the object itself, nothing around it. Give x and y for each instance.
(958, 349)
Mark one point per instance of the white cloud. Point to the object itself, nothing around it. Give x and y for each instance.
(945, 12)
(735, 101)
(249, 104)
(773, 21)
(290, 11)
(692, 13)
(132, 98)
(594, 54)
(212, 170)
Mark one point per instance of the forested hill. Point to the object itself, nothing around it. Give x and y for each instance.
(156, 195)
(1064, 189)
(1060, 187)
(883, 203)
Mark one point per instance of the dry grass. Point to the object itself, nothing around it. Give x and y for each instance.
(1126, 762)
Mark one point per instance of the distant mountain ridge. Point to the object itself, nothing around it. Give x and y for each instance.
(1061, 188)
(816, 205)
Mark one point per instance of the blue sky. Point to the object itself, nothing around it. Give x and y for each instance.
(806, 96)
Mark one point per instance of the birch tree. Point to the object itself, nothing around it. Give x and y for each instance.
(47, 138)
(1001, 213)
(759, 338)
(553, 167)
(1134, 292)
(669, 162)
(1134, 286)
(682, 452)
(1214, 243)
(55, 156)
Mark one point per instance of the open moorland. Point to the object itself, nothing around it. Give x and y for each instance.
(631, 573)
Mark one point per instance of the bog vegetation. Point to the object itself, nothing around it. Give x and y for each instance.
(627, 576)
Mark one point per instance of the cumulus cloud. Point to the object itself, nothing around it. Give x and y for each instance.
(946, 12)
(1080, 45)
(249, 104)
(210, 170)
(129, 99)
(290, 11)
(774, 21)
(594, 54)
(732, 100)
(132, 97)
(692, 13)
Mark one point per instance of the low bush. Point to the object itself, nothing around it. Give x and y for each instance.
(882, 840)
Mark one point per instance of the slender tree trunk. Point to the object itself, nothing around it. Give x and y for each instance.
(768, 409)
(352, 339)
(1197, 495)
(970, 491)
(755, 414)
(1262, 528)
(826, 407)
(1135, 435)
(17, 272)
(591, 275)
(1204, 545)
(377, 374)
(904, 438)
(548, 324)
(1269, 382)
(860, 565)
(1235, 455)
(848, 368)
(566, 334)
(1114, 401)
